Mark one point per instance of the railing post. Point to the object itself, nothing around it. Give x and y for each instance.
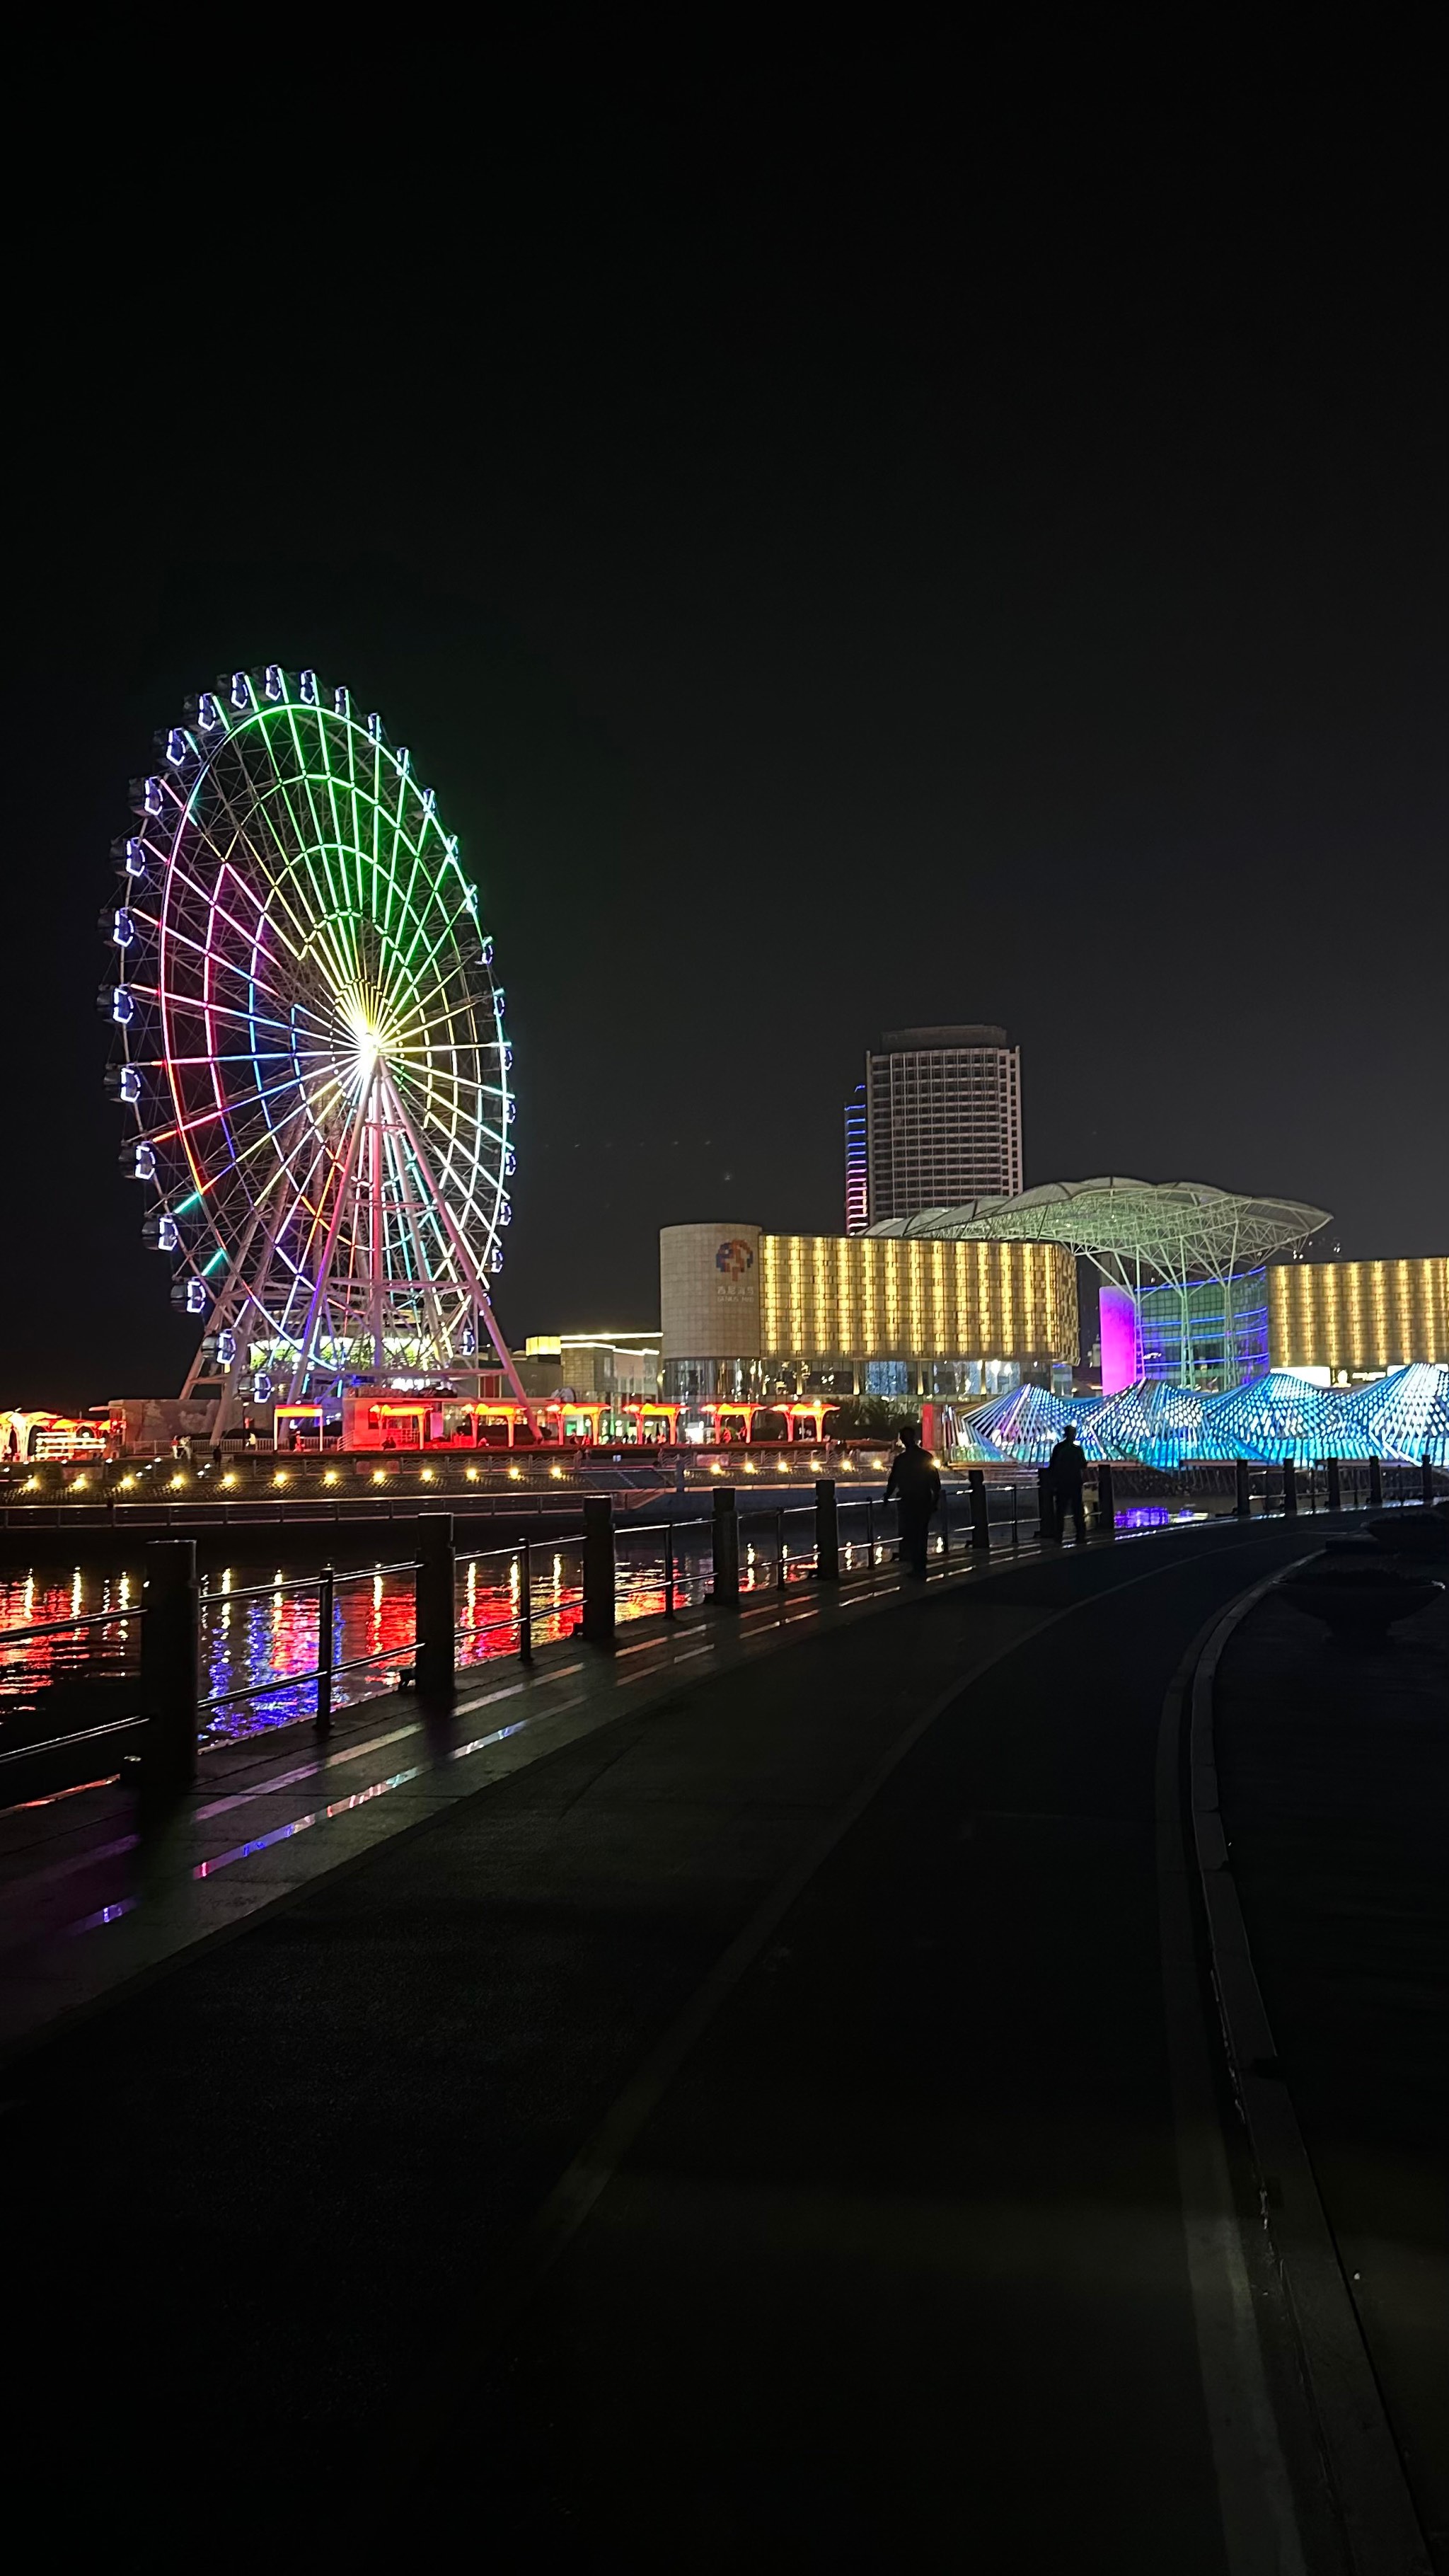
(869, 1535)
(326, 1593)
(433, 1593)
(827, 1532)
(1376, 1484)
(726, 1592)
(1106, 1500)
(599, 1570)
(1242, 1494)
(945, 1524)
(1015, 1515)
(170, 1663)
(779, 1551)
(1290, 1488)
(1426, 1477)
(980, 1515)
(1045, 1521)
(525, 1603)
(1335, 1484)
(669, 1569)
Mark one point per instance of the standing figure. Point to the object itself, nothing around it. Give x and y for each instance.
(1064, 1470)
(916, 1485)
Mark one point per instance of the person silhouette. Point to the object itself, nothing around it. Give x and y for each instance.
(915, 1484)
(1064, 1473)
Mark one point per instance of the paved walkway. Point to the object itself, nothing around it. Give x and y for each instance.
(1333, 1772)
(748, 2130)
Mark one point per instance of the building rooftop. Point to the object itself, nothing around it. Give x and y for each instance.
(916, 1041)
(1173, 1229)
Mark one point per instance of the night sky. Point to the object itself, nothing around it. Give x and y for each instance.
(826, 595)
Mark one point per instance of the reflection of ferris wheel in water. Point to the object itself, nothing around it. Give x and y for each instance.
(310, 1039)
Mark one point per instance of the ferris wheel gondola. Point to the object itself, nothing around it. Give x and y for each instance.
(310, 1041)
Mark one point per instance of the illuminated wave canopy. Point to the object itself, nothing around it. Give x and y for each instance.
(1157, 1424)
(1404, 1415)
(1277, 1416)
(309, 1043)
(1026, 1423)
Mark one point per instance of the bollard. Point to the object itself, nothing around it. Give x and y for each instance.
(170, 1664)
(326, 1596)
(1335, 1484)
(1046, 1527)
(827, 1532)
(1426, 1477)
(1242, 1497)
(980, 1517)
(1376, 1484)
(1106, 1500)
(436, 1611)
(599, 1575)
(1290, 1488)
(726, 1592)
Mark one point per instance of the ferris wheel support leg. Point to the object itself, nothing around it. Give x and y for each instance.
(411, 1212)
(466, 1261)
(324, 1266)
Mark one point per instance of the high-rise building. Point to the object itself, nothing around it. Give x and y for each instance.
(857, 1164)
(943, 1119)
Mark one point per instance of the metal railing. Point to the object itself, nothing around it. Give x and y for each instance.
(324, 1673)
(982, 1511)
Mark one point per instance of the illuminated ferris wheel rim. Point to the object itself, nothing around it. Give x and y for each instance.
(313, 1047)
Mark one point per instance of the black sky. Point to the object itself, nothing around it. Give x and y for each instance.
(826, 593)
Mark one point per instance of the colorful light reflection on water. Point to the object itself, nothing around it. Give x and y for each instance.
(256, 1628)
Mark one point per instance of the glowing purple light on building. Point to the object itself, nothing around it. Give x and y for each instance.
(1121, 1358)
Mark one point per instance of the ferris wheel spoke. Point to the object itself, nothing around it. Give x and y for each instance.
(341, 841)
(251, 843)
(468, 1206)
(318, 833)
(181, 1005)
(305, 1110)
(289, 861)
(224, 1109)
(226, 866)
(246, 975)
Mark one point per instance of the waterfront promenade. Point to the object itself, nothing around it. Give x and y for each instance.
(755, 2093)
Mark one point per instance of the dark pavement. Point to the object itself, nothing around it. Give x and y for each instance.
(893, 2274)
(1333, 1770)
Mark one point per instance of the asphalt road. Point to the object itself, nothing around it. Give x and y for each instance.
(891, 2274)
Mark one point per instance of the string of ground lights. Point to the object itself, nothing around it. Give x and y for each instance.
(310, 1042)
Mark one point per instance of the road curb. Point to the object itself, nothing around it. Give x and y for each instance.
(1380, 2526)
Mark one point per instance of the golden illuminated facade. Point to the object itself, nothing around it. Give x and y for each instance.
(1358, 1318)
(884, 1298)
(743, 1308)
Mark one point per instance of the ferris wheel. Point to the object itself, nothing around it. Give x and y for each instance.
(309, 1038)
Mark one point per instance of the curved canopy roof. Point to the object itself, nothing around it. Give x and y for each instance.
(1177, 1230)
(1026, 1423)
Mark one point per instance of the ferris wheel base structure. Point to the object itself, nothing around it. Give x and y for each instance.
(309, 1039)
